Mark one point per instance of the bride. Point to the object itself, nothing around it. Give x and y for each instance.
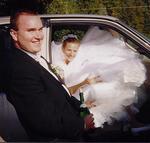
(101, 54)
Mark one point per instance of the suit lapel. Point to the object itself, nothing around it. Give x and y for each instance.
(40, 68)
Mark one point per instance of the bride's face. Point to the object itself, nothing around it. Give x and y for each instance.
(70, 50)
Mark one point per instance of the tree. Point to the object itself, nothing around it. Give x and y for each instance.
(62, 7)
(146, 29)
(92, 7)
(8, 6)
(4, 8)
(135, 13)
(76, 7)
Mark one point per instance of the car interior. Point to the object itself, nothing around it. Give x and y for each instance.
(10, 126)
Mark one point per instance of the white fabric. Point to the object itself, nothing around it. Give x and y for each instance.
(120, 69)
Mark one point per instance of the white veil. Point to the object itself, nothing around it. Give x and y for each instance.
(120, 69)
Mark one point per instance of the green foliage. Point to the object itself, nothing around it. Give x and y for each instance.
(135, 13)
(58, 35)
(92, 7)
(4, 9)
(76, 7)
(62, 7)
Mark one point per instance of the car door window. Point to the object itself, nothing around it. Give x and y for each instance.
(103, 41)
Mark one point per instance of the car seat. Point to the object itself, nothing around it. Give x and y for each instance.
(10, 126)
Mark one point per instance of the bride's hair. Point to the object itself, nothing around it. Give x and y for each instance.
(70, 38)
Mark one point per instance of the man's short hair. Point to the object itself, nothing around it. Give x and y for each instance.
(15, 16)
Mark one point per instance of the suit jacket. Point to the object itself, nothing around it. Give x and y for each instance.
(43, 106)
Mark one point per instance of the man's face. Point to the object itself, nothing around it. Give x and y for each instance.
(70, 51)
(29, 35)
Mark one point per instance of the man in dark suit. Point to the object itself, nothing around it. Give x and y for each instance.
(44, 106)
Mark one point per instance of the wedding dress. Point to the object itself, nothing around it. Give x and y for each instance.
(119, 67)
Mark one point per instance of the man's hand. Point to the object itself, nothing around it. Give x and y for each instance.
(89, 122)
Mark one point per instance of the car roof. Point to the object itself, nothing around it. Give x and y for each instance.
(6, 20)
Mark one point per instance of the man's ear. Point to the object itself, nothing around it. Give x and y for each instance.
(13, 34)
